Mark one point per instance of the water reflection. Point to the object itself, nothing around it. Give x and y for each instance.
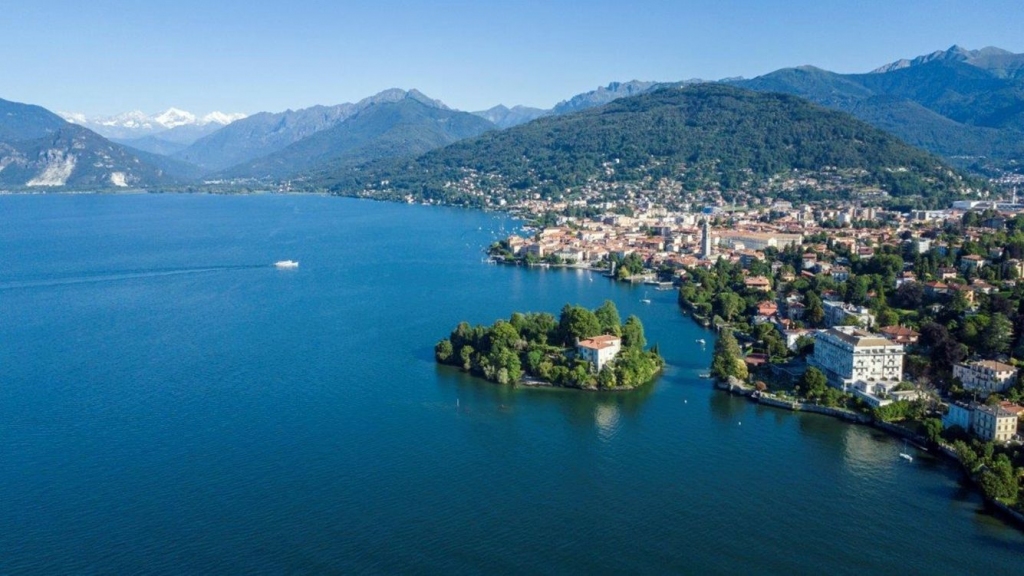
(603, 411)
(726, 407)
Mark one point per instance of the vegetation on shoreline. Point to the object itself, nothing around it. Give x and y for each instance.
(540, 347)
(954, 310)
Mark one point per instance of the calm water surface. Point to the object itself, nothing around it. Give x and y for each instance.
(170, 403)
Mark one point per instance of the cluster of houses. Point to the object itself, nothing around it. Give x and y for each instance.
(853, 353)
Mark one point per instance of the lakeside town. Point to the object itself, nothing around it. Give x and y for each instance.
(907, 319)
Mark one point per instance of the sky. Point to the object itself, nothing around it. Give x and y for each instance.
(107, 56)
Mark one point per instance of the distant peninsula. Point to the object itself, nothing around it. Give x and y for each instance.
(582, 348)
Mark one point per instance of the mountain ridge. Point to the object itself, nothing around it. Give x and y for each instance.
(704, 136)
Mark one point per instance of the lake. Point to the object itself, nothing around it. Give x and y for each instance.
(171, 403)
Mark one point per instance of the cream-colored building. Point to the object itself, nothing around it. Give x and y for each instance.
(598, 350)
(858, 361)
(992, 423)
(985, 376)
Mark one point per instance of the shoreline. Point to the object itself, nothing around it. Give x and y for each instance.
(1006, 513)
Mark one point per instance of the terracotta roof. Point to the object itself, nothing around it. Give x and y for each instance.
(600, 342)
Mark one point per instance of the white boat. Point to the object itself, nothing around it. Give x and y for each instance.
(905, 454)
(701, 341)
(645, 299)
(286, 264)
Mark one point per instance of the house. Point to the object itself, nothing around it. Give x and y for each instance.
(972, 261)
(900, 335)
(989, 423)
(985, 376)
(598, 350)
(994, 424)
(935, 288)
(841, 313)
(905, 277)
(959, 414)
(767, 308)
(859, 362)
(946, 273)
(808, 261)
(840, 273)
(795, 310)
(756, 360)
(759, 283)
(979, 285)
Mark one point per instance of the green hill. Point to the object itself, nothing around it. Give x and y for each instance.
(702, 137)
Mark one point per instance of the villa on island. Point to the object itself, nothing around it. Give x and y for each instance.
(598, 350)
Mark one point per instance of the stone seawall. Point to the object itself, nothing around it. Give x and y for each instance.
(796, 406)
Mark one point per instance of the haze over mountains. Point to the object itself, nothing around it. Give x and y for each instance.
(963, 104)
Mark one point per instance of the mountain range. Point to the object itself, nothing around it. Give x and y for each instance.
(956, 103)
(966, 105)
(694, 137)
(40, 149)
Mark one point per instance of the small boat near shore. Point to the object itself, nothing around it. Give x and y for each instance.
(905, 453)
(286, 264)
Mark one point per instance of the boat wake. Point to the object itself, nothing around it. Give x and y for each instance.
(119, 276)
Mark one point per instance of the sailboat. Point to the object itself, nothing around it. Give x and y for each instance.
(645, 299)
(905, 454)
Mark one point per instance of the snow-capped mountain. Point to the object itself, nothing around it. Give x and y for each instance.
(138, 124)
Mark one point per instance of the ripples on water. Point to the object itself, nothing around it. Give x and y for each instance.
(165, 416)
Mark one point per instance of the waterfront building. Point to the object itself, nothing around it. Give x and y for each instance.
(985, 376)
(994, 424)
(989, 423)
(598, 350)
(959, 414)
(859, 362)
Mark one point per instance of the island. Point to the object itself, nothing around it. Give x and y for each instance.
(583, 349)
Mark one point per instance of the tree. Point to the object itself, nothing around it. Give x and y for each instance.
(815, 311)
(466, 355)
(888, 318)
(998, 480)
(804, 346)
(996, 337)
(728, 305)
(813, 382)
(503, 336)
(633, 333)
(443, 351)
(725, 356)
(576, 322)
(933, 429)
(608, 316)
(606, 377)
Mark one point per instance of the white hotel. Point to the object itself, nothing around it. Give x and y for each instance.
(857, 361)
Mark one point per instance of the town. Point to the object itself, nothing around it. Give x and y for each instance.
(911, 318)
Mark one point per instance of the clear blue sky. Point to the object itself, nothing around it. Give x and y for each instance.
(109, 56)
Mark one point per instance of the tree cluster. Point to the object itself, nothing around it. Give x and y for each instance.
(542, 347)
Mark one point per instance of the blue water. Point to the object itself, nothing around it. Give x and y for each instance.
(170, 403)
